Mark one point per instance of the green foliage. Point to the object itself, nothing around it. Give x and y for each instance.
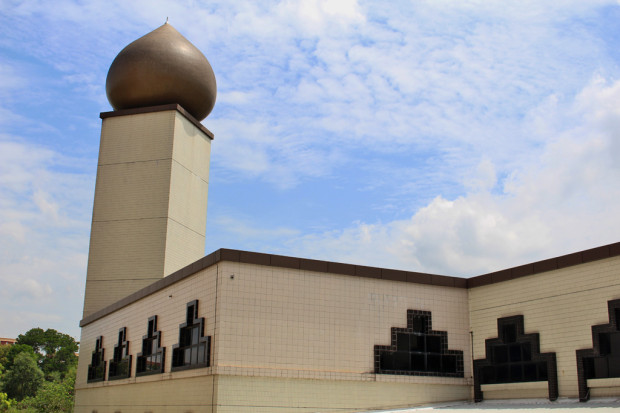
(38, 373)
(56, 350)
(52, 397)
(22, 407)
(69, 380)
(33, 338)
(24, 378)
(4, 351)
(17, 349)
(5, 403)
(54, 376)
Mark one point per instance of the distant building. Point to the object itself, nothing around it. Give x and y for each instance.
(4, 340)
(165, 329)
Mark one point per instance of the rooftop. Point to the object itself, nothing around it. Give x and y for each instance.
(305, 264)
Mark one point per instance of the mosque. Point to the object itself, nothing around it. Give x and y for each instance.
(166, 329)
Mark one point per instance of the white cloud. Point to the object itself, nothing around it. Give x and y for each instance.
(483, 178)
(557, 202)
(22, 321)
(250, 230)
(266, 152)
(43, 236)
(314, 17)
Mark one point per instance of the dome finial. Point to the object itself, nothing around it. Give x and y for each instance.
(160, 68)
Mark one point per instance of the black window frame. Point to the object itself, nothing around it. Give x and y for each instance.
(515, 357)
(120, 364)
(194, 348)
(418, 350)
(602, 360)
(152, 354)
(97, 368)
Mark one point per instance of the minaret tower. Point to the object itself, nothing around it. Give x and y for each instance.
(150, 207)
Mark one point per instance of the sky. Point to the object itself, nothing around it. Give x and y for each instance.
(454, 137)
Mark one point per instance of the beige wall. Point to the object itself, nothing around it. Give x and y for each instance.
(560, 305)
(282, 329)
(304, 341)
(169, 305)
(290, 338)
(237, 394)
(186, 395)
(290, 323)
(149, 213)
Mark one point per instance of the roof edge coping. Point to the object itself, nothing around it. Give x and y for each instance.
(280, 261)
(563, 261)
(304, 264)
(159, 108)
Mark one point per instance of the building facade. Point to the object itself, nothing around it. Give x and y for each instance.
(273, 333)
(7, 341)
(166, 330)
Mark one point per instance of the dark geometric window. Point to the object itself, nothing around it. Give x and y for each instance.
(417, 350)
(153, 356)
(603, 360)
(514, 357)
(120, 365)
(96, 369)
(193, 349)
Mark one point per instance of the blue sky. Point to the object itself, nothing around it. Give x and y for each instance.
(451, 137)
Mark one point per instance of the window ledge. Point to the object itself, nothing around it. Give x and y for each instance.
(526, 385)
(189, 367)
(611, 382)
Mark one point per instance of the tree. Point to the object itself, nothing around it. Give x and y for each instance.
(24, 378)
(15, 350)
(52, 397)
(56, 350)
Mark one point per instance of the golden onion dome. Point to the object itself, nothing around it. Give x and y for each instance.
(162, 67)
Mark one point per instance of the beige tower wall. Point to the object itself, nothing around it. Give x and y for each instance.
(561, 305)
(149, 213)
